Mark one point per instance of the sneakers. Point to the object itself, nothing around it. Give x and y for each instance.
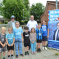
(27, 53)
(3, 58)
(39, 50)
(8, 57)
(12, 57)
(44, 48)
(16, 56)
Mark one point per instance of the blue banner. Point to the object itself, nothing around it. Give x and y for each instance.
(53, 23)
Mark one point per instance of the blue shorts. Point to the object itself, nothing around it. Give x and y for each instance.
(44, 38)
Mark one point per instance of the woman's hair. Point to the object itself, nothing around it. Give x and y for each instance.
(10, 28)
(3, 28)
(34, 30)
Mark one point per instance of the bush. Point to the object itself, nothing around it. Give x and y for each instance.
(5, 22)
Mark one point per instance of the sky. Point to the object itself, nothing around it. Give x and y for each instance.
(41, 1)
(37, 1)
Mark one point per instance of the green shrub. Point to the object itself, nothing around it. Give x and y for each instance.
(5, 22)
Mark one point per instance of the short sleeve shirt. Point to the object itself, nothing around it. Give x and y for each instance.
(2, 39)
(44, 28)
(26, 37)
(17, 33)
(10, 38)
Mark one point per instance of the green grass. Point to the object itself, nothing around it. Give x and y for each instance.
(56, 54)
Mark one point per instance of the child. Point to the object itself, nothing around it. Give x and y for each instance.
(26, 40)
(45, 34)
(39, 37)
(3, 42)
(33, 40)
(10, 39)
(18, 32)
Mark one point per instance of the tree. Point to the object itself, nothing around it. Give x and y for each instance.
(37, 10)
(26, 3)
(14, 7)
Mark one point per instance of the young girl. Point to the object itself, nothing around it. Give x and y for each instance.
(39, 37)
(45, 34)
(10, 39)
(33, 40)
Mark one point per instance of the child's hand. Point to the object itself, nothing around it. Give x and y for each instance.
(11, 45)
(22, 40)
(4, 45)
(8, 45)
(47, 36)
(33, 42)
(0, 42)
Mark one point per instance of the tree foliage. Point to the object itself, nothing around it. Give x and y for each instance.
(14, 7)
(37, 10)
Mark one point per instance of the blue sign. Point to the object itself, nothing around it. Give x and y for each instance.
(53, 23)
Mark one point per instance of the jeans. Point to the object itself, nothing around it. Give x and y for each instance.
(33, 46)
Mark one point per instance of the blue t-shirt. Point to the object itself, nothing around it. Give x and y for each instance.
(44, 28)
(10, 38)
(39, 34)
(17, 33)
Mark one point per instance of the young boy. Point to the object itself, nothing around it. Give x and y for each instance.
(26, 40)
(45, 34)
(10, 39)
(2, 42)
(18, 32)
(39, 37)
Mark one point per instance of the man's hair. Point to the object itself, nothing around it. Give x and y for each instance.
(17, 22)
(32, 15)
(26, 28)
(3, 28)
(57, 23)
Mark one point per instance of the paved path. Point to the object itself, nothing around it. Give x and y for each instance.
(49, 54)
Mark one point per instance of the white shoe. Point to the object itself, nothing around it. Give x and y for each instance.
(45, 48)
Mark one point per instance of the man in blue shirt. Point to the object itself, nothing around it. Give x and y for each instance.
(18, 32)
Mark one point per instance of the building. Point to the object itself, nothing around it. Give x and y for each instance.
(50, 5)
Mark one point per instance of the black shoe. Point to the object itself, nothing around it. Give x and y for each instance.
(22, 55)
(3, 58)
(39, 50)
(27, 53)
(16, 56)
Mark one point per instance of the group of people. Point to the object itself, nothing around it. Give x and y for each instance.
(33, 33)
